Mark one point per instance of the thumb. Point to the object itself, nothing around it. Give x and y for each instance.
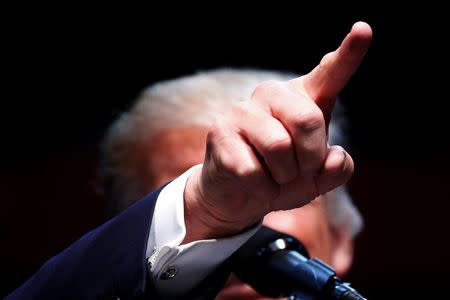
(336, 170)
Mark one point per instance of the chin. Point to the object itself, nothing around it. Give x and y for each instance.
(236, 289)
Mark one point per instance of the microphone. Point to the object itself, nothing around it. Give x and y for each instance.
(278, 265)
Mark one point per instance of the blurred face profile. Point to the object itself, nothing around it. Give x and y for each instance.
(173, 151)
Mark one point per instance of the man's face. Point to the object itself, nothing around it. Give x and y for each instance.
(173, 151)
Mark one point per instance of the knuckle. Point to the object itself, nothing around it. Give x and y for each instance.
(240, 172)
(247, 171)
(218, 136)
(225, 166)
(277, 145)
(221, 152)
(311, 120)
(221, 158)
(239, 110)
(216, 132)
(267, 89)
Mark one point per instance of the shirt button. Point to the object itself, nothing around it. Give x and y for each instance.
(169, 273)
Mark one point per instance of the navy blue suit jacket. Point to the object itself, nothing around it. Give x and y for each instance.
(108, 263)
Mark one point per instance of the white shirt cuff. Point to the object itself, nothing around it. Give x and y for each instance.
(177, 269)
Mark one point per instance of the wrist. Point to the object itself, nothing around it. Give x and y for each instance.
(200, 216)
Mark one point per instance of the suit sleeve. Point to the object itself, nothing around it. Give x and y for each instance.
(106, 263)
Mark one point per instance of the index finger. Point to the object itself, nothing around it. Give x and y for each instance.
(326, 80)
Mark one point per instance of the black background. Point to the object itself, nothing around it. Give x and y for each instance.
(68, 72)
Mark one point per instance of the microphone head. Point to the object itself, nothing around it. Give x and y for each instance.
(251, 262)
